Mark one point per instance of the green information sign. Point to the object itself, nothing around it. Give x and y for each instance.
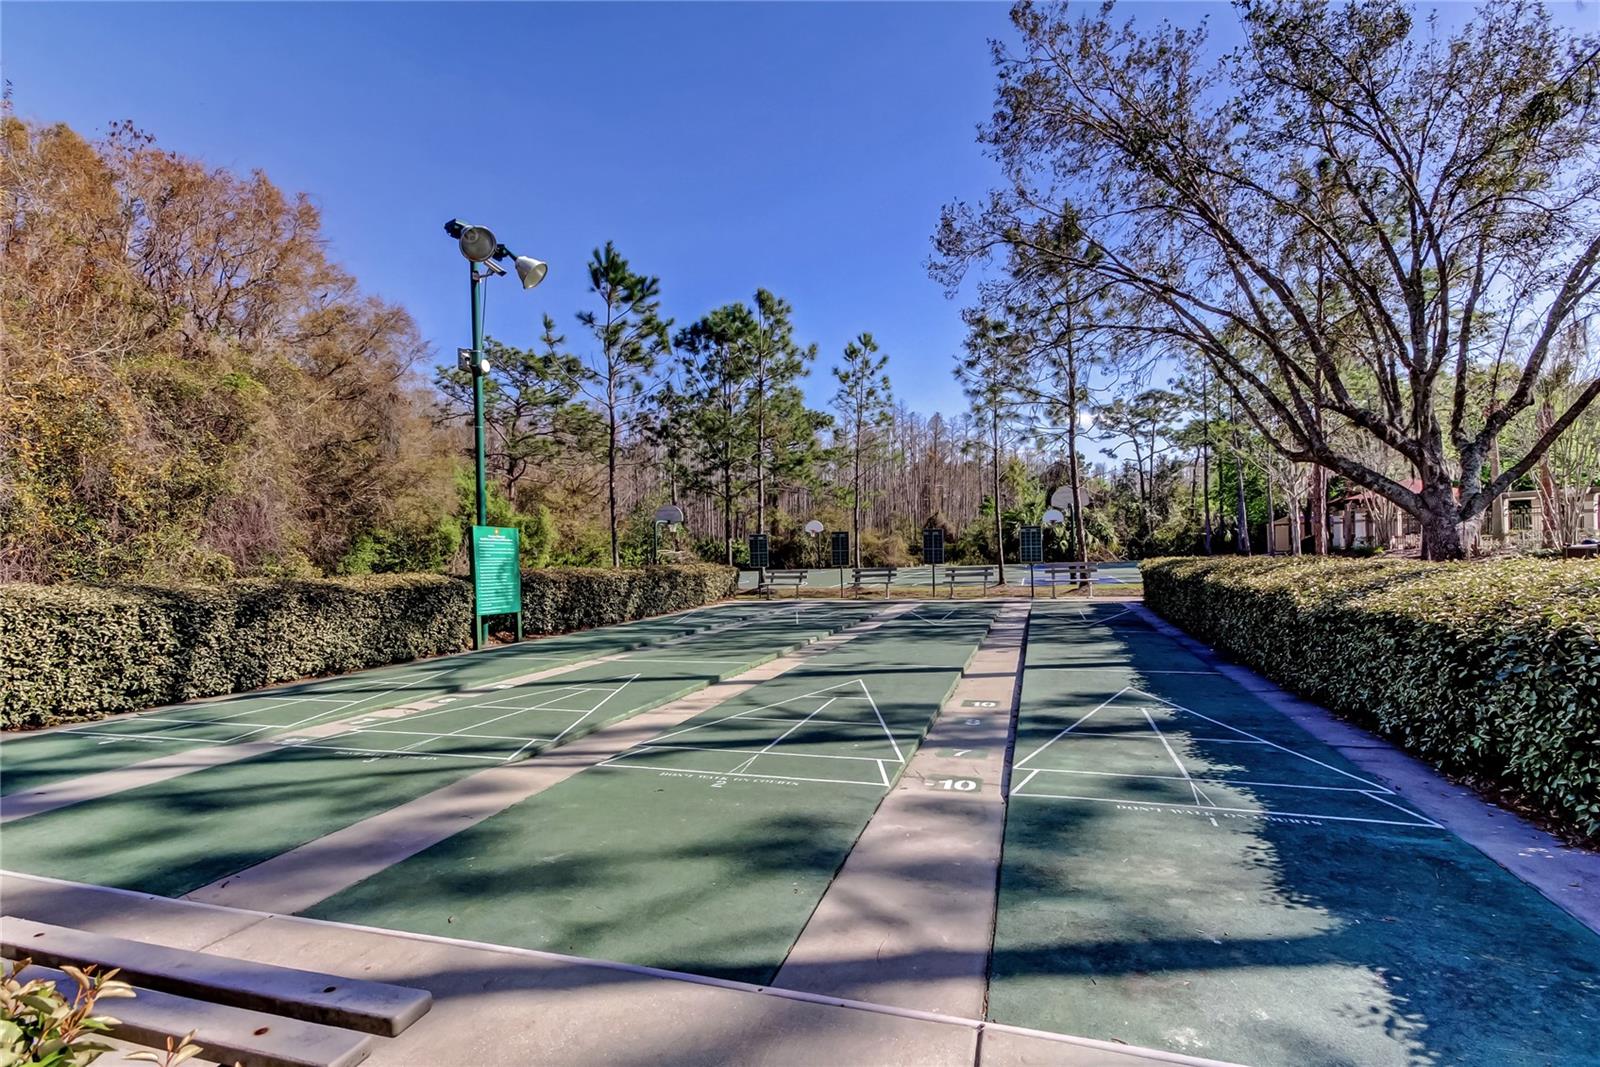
(497, 570)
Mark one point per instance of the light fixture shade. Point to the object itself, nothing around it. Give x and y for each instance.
(531, 271)
(477, 243)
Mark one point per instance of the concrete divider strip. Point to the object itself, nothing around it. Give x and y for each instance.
(909, 921)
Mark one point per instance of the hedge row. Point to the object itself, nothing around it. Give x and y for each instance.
(73, 652)
(557, 599)
(1489, 670)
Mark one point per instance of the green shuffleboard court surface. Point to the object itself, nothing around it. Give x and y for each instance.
(175, 836)
(1187, 869)
(707, 848)
(28, 761)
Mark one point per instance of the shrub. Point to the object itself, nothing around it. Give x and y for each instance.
(74, 652)
(557, 599)
(71, 652)
(40, 1026)
(1489, 670)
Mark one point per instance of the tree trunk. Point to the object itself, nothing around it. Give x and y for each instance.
(727, 511)
(1319, 510)
(761, 455)
(1205, 459)
(1441, 521)
(1243, 516)
(1296, 533)
(999, 525)
(1080, 547)
(611, 487)
(855, 492)
(1272, 515)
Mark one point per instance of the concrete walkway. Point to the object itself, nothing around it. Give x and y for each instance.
(518, 1006)
(909, 919)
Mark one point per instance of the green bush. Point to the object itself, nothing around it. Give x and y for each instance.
(1489, 670)
(557, 599)
(75, 652)
(71, 652)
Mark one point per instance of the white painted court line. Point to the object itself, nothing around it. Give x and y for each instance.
(1397, 807)
(786, 753)
(1199, 797)
(734, 774)
(751, 711)
(778, 740)
(1157, 805)
(886, 731)
(1023, 761)
(1203, 780)
(573, 725)
(1264, 741)
(1097, 735)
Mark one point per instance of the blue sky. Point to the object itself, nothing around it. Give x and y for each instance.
(805, 148)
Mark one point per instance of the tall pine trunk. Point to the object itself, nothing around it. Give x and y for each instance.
(999, 525)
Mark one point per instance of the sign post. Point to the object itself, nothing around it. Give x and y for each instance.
(1032, 541)
(496, 578)
(840, 545)
(1053, 517)
(933, 555)
(815, 528)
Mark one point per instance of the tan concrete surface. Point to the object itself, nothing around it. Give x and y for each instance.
(909, 920)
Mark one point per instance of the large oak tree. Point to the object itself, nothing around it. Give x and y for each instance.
(1396, 218)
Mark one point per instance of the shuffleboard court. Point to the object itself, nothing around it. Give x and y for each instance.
(29, 761)
(705, 849)
(1108, 575)
(1187, 869)
(174, 836)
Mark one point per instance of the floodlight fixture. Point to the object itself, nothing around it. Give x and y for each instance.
(531, 271)
(477, 243)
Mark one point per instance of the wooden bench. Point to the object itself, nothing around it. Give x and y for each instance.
(865, 576)
(1065, 573)
(954, 576)
(781, 579)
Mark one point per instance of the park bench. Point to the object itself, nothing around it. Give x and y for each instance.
(865, 576)
(1065, 573)
(954, 576)
(781, 579)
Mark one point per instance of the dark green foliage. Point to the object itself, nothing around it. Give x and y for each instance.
(1490, 670)
(82, 652)
(557, 599)
(75, 652)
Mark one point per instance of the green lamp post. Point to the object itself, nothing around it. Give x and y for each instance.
(483, 253)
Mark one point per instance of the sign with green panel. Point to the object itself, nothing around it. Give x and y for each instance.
(758, 552)
(1032, 544)
(933, 546)
(497, 570)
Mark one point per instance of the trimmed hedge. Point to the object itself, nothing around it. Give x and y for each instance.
(75, 652)
(558, 599)
(1489, 670)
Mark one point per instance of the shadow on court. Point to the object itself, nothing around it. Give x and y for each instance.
(1186, 869)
